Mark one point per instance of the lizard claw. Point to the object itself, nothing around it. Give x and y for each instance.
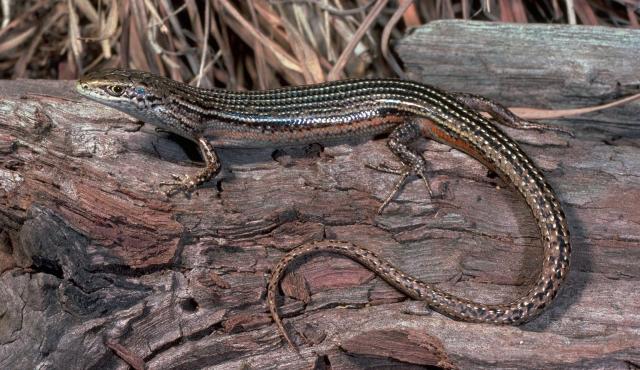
(383, 167)
(182, 183)
(424, 178)
(403, 172)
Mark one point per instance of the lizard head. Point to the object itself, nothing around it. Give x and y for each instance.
(111, 87)
(136, 93)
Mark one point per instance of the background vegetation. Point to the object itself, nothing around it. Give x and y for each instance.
(250, 44)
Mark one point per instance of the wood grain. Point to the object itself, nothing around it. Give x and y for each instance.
(98, 266)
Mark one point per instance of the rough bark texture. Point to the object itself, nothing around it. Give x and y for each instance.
(98, 266)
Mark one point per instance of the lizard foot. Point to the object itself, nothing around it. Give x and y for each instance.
(403, 172)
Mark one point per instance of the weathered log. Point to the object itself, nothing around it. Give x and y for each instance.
(98, 265)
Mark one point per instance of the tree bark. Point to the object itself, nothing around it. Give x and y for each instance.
(100, 270)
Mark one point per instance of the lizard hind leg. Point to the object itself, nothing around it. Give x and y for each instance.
(502, 114)
(412, 161)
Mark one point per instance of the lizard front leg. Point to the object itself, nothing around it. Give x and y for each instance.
(188, 183)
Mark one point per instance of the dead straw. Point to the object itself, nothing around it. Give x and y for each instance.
(250, 44)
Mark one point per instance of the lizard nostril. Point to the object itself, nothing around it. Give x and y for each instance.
(85, 86)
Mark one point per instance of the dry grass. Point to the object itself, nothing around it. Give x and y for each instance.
(250, 44)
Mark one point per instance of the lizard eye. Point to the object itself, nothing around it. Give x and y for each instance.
(115, 90)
